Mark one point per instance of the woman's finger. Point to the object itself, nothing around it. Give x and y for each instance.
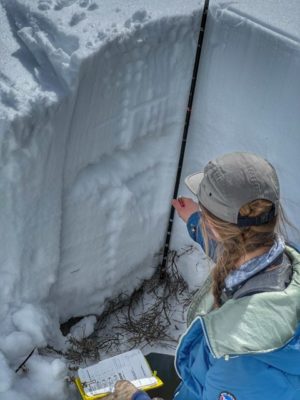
(185, 207)
(124, 390)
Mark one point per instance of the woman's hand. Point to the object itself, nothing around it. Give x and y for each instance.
(123, 391)
(185, 207)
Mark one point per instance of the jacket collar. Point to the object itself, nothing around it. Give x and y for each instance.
(256, 324)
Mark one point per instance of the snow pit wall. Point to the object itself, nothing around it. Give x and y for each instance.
(119, 175)
(88, 167)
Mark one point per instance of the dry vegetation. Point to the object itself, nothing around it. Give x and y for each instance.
(150, 315)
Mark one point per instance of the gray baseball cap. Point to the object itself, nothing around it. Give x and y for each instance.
(233, 180)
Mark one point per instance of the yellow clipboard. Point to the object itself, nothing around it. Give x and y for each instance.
(84, 396)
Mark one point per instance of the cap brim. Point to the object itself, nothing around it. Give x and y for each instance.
(193, 181)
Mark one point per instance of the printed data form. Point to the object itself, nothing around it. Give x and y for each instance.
(101, 378)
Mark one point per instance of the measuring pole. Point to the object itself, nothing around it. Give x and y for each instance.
(184, 136)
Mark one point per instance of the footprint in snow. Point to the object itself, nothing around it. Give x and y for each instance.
(44, 5)
(84, 3)
(101, 35)
(60, 4)
(140, 16)
(93, 6)
(76, 18)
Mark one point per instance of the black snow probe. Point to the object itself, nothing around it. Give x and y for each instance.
(184, 137)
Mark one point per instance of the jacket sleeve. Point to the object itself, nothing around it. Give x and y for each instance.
(194, 230)
(141, 395)
(193, 227)
(244, 378)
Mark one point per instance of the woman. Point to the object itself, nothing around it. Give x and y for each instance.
(243, 340)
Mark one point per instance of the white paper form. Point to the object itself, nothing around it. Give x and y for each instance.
(101, 378)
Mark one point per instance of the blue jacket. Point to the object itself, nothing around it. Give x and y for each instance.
(248, 349)
(222, 357)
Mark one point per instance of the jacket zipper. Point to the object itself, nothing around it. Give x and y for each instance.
(206, 337)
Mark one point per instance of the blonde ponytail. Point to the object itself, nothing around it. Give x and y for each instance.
(234, 242)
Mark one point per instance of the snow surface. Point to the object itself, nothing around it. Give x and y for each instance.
(93, 97)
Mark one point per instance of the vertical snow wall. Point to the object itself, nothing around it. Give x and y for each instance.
(88, 157)
(120, 163)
